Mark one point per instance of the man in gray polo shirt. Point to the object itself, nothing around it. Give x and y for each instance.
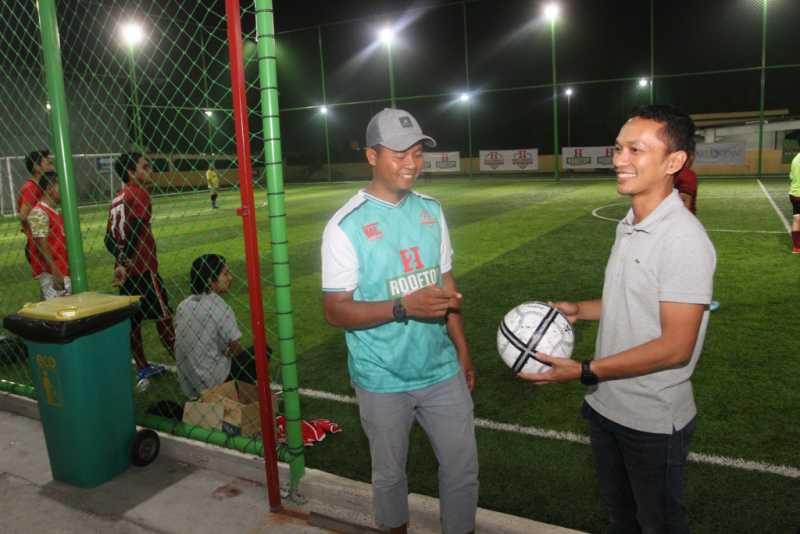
(653, 317)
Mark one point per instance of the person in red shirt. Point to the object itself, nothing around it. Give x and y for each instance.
(685, 181)
(48, 255)
(37, 162)
(130, 239)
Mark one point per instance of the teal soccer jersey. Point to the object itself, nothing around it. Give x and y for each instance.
(382, 251)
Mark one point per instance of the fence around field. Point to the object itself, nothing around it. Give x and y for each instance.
(94, 80)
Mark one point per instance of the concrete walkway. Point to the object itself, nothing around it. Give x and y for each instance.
(190, 488)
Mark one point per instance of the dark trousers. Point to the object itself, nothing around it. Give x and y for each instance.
(243, 365)
(641, 475)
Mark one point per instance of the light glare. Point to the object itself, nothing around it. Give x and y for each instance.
(551, 11)
(208, 113)
(643, 82)
(132, 33)
(386, 35)
(323, 110)
(568, 92)
(464, 97)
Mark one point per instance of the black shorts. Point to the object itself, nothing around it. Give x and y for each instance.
(154, 303)
(795, 204)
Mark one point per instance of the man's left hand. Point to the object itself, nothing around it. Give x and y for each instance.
(469, 371)
(561, 370)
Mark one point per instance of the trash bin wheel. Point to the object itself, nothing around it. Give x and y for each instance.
(144, 448)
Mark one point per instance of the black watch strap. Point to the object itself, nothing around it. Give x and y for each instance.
(588, 378)
(399, 311)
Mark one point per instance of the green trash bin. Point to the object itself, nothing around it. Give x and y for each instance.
(79, 351)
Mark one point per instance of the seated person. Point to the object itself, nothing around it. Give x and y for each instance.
(207, 349)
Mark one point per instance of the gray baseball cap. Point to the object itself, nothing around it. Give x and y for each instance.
(396, 129)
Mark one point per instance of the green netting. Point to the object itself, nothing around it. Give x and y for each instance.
(166, 95)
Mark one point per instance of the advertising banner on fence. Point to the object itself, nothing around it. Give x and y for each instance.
(720, 154)
(520, 159)
(587, 157)
(442, 162)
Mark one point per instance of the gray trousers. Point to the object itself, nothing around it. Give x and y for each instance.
(444, 411)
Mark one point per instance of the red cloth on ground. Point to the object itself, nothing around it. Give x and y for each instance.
(313, 431)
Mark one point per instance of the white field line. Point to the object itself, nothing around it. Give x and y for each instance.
(596, 214)
(775, 207)
(572, 437)
(736, 463)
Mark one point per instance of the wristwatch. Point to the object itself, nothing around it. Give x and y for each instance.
(399, 311)
(588, 378)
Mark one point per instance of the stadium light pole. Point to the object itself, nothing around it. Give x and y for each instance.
(132, 35)
(568, 93)
(466, 99)
(386, 36)
(763, 87)
(551, 13)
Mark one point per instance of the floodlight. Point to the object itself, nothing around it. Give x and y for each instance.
(323, 110)
(551, 11)
(132, 33)
(208, 113)
(568, 92)
(643, 82)
(47, 105)
(386, 35)
(464, 97)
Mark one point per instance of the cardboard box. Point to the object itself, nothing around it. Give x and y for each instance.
(231, 407)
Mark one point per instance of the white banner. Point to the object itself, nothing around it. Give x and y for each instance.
(520, 159)
(587, 157)
(442, 162)
(720, 154)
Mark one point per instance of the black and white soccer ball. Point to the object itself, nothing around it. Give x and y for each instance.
(533, 327)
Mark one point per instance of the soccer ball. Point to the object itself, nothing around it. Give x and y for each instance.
(533, 327)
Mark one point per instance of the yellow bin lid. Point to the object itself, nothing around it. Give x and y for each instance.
(73, 307)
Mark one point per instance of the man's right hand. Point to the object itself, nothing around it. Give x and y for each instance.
(120, 274)
(431, 301)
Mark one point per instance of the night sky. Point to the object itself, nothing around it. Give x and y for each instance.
(602, 48)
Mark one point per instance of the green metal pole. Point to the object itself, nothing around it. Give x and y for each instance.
(556, 158)
(137, 121)
(652, 54)
(390, 61)
(54, 73)
(324, 102)
(466, 74)
(268, 79)
(763, 87)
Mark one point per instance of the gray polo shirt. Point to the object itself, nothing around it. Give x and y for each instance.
(667, 257)
(204, 325)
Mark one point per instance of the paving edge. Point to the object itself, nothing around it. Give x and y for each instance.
(331, 500)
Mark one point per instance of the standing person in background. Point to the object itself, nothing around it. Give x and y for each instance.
(387, 280)
(129, 238)
(653, 318)
(685, 181)
(37, 162)
(794, 198)
(212, 179)
(48, 256)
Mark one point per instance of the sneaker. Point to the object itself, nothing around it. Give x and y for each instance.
(151, 370)
(795, 250)
(714, 306)
(142, 385)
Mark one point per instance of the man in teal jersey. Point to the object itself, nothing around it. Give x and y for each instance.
(794, 198)
(387, 280)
